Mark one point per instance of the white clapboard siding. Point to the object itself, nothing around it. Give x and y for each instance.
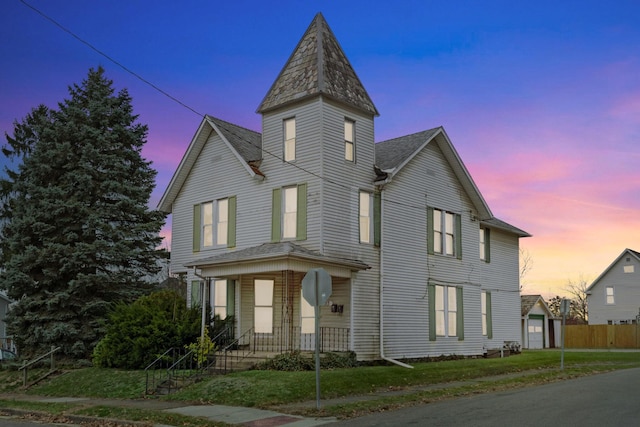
(428, 180)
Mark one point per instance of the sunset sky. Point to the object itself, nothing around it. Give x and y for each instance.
(542, 102)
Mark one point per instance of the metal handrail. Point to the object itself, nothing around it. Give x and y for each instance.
(159, 360)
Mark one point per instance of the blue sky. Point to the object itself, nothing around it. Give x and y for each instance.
(542, 101)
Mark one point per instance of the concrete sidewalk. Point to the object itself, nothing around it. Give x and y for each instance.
(233, 415)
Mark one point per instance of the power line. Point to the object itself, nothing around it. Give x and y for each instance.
(173, 98)
(92, 47)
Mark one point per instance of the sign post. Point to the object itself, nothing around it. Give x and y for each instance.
(565, 307)
(316, 290)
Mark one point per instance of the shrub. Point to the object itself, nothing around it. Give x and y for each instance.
(137, 333)
(298, 361)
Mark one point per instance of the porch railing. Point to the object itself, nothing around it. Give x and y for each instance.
(281, 340)
(290, 339)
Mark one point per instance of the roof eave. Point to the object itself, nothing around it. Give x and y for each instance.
(353, 265)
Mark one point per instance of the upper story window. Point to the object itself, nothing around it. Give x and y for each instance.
(485, 253)
(349, 140)
(289, 213)
(444, 232)
(369, 212)
(609, 296)
(290, 139)
(214, 224)
(365, 217)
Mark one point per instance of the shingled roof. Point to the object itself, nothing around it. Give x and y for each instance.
(248, 143)
(318, 66)
(268, 251)
(392, 153)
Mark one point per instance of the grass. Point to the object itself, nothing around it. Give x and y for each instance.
(375, 387)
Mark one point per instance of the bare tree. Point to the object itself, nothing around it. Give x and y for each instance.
(526, 263)
(577, 289)
(554, 305)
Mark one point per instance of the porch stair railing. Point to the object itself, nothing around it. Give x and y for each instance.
(177, 367)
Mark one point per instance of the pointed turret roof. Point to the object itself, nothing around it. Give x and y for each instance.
(318, 66)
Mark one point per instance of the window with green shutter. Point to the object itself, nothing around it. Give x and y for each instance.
(289, 213)
(214, 224)
(446, 312)
(444, 233)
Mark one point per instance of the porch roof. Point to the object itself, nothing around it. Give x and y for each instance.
(270, 257)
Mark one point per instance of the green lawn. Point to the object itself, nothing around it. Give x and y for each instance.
(270, 389)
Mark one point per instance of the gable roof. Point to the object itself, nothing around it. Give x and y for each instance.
(245, 144)
(318, 66)
(628, 251)
(393, 154)
(527, 302)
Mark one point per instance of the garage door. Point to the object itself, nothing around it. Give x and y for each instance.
(536, 334)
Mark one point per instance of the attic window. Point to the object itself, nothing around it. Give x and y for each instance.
(628, 268)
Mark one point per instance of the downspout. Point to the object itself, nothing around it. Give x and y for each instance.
(381, 311)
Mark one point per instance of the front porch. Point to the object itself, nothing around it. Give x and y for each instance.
(261, 288)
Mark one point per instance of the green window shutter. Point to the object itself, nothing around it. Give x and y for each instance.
(487, 245)
(301, 216)
(231, 225)
(276, 213)
(489, 321)
(197, 221)
(430, 246)
(231, 297)
(377, 218)
(431, 294)
(195, 293)
(459, 315)
(458, 236)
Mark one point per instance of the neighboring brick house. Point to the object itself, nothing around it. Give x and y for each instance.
(420, 266)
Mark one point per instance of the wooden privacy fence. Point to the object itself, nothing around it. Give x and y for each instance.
(602, 336)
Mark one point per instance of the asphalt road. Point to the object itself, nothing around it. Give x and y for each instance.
(610, 399)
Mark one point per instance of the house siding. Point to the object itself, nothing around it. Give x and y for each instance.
(626, 292)
(500, 276)
(407, 269)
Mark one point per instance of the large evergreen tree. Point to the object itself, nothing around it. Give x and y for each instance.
(77, 234)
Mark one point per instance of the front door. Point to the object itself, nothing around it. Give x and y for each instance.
(307, 325)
